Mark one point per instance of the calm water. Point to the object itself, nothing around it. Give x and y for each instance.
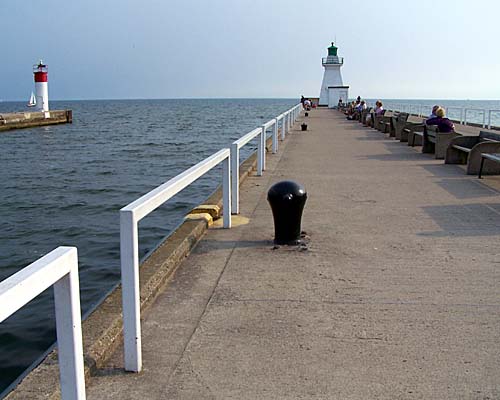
(64, 184)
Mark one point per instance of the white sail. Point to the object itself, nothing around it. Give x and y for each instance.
(32, 101)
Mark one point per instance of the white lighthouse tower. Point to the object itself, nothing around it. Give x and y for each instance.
(332, 88)
(40, 72)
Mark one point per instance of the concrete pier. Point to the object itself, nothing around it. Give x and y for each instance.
(393, 296)
(19, 120)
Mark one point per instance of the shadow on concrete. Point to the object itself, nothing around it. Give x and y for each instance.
(112, 371)
(372, 135)
(409, 156)
(465, 188)
(444, 170)
(465, 220)
(211, 245)
(358, 128)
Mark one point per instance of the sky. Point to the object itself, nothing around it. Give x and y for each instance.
(110, 49)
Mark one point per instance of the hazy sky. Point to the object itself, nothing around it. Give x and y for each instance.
(250, 48)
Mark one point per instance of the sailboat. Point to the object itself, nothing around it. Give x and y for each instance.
(32, 102)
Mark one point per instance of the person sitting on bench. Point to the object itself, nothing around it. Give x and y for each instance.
(379, 108)
(444, 125)
(433, 112)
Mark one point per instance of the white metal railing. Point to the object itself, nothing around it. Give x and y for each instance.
(287, 119)
(489, 116)
(235, 163)
(129, 246)
(475, 111)
(59, 268)
(135, 211)
(463, 115)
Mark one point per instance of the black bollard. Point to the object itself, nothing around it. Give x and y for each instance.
(287, 199)
(306, 114)
(304, 126)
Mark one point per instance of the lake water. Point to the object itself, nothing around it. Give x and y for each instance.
(64, 185)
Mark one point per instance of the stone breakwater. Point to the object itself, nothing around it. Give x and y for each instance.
(21, 120)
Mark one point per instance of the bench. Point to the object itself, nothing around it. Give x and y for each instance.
(377, 118)
(436, 142)
(381, 120)
(398, 123)
(372, 118)
(389, 126)
(491, 157)
(412, 125)
(468, 150)
(364, 114)
(415, 134)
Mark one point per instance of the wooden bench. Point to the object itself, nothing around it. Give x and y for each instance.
(486, 156)
(468, 150)
(436, 142)
(398, 123)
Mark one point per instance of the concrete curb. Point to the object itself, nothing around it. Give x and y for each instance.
(102, 330)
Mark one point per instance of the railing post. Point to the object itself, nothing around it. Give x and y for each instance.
(275, 136)
(283, 127)
(129, 257)
(484, 118)
(465, 116)
(260, 167)
(489, 119)
(226, 192)
(461, 116)
(264, 149)
(69, 333)
(235, 179)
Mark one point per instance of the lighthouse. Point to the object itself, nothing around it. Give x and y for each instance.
(332, 88)
(41, 86)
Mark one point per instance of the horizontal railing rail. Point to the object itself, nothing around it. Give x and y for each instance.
(489, 116)
(287, 119)
(130, 216)
(59, 269)
(332, 60)
(235, 163)
(462, 115)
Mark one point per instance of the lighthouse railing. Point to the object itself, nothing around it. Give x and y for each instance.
(59, 269)
(130, 216)
(332, 60)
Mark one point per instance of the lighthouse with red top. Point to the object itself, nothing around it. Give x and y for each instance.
(40, 72)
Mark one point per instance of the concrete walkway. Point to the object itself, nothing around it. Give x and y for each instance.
(396, 296)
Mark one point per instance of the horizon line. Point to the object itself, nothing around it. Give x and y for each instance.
(250, 98)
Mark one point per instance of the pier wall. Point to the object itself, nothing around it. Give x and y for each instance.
(21, 120)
